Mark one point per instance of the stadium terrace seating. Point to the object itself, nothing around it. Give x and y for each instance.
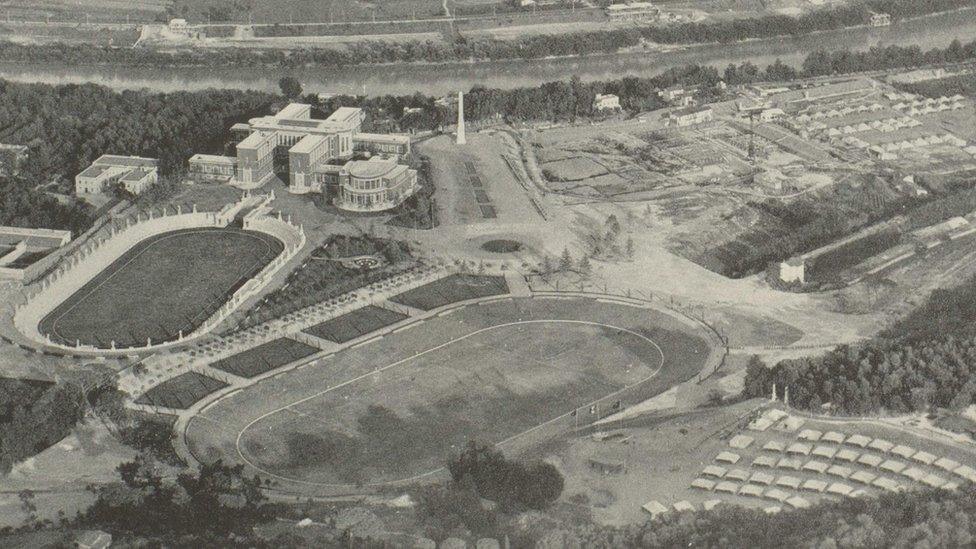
(728, 457)
(858, 440)
(798, 503)
(774, 446)
(703, 484)
(813, 485)
(683, 506)
(761, 478)
(789, 463)
(870, 460)
(881, 445)
(764, 461)
(863, 477)
(903, 451)
(924, 458)
(810, 435)
(827, 452)
(711, 504)
(893, 466)
(947, 464)
(788, 482)
(845, 454)
(832, 436)
(839, 488)
(751, 490)
(726, 486)
(741, 442)
(776, 494)
(839, 471)
(815, 466)
(714, 471)
(737, 474)
(886, 484)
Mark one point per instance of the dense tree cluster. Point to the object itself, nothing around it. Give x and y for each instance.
(21, 205)
(909, 519)
(925, 361)
(511, 484)
(33, 416)
(209, 504)
(66, 127)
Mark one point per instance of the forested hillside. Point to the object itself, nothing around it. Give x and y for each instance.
(925, 361)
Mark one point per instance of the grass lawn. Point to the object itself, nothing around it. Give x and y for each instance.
(451, 289)
(399, 406)
(357, 323)
(264, 358)
(164, 284)
(181, 391)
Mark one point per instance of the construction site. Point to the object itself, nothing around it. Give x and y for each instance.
(773, 177)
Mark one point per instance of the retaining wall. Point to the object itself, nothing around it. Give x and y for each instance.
(95, 257)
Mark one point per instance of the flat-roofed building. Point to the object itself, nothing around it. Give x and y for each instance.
(632, 11)
(606, 102)
(332, 156)
(134, 172)
(138, 180)
(255, 159)
(22, 250)
(691, 116)
(208, 167)
(374, 185)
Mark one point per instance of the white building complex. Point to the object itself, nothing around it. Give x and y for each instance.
(320, 156)
(135, 173)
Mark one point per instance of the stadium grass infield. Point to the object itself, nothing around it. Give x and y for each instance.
(167, 283)
(394, 409)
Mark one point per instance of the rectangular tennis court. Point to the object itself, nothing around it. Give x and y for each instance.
(355, 324)
(264, 358)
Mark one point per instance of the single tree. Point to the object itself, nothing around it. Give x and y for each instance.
(290, 87)
(566, 261)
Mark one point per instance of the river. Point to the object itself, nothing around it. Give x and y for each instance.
(928, 32)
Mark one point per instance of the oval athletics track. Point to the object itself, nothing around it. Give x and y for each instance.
(392, 410)
(163, 284)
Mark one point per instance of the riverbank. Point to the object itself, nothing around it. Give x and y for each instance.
(448, 77)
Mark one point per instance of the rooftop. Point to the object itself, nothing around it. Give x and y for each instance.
(126, 161)
(213, 159)
(95, 170)
(307, 144)
(136, 175)
(368, 169)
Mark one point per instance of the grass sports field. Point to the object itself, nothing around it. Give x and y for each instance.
(395, 408)
(164, 284)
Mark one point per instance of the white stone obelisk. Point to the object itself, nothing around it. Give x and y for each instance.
(461, 140)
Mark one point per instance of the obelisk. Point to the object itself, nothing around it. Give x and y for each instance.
(460, 123)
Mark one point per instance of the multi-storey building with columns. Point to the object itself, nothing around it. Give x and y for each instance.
(320, 157)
